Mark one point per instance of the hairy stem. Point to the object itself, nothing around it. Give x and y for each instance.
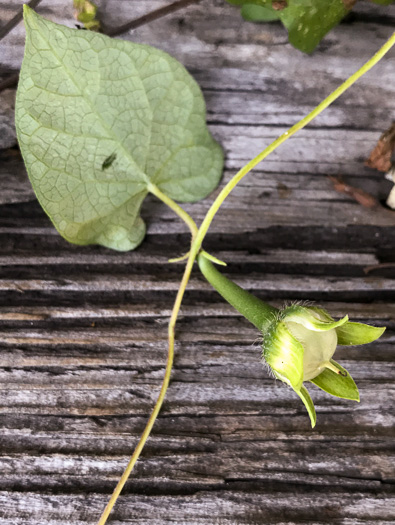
(259, 313)
(197, 244)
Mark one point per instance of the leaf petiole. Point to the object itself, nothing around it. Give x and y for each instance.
(175, 207)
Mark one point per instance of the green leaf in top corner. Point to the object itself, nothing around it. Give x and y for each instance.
(98, 121)
(86, 12)
(307, 21)
(257, 13)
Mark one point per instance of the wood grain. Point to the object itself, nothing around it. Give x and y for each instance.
(83, 329)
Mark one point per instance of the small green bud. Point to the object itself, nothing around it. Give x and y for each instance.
(299, 345)
(86, 12)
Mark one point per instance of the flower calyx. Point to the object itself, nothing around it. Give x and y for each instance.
(299, 345)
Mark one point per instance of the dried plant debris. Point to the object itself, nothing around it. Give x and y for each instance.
(391, 197)
(379, 267)
(381, 159)
(361, 196)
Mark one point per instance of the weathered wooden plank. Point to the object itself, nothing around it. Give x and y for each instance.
(381, 312)
(319, 258)
(263, 212)
(217, 34)
(83, 330)
(304, 286)
(7, 128)
(240, 508)
(229, 397)
(214, 462)
(145, 356)
(219, 37)
(136, 369)
(90, 434)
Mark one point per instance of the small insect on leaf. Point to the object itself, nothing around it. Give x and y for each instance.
(108, 161)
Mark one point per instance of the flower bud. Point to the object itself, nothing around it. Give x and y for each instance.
(299, 345)
(298, 341)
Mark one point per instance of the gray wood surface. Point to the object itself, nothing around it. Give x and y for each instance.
(83, 329)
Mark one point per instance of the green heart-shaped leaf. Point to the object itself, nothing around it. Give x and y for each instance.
(99, 121)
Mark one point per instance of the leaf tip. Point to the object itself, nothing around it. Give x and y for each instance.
(27, 11)
(29, 15)
(354, 396)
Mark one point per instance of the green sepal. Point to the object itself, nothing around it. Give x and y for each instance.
(321, 312)
(351, 334)
(284, 354)
(337, 385)
(304, 316)
(308, 403)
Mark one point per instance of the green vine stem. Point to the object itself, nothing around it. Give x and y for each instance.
(196, 245)
(170, 356)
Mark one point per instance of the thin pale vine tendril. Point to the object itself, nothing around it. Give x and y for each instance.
(197, 240)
